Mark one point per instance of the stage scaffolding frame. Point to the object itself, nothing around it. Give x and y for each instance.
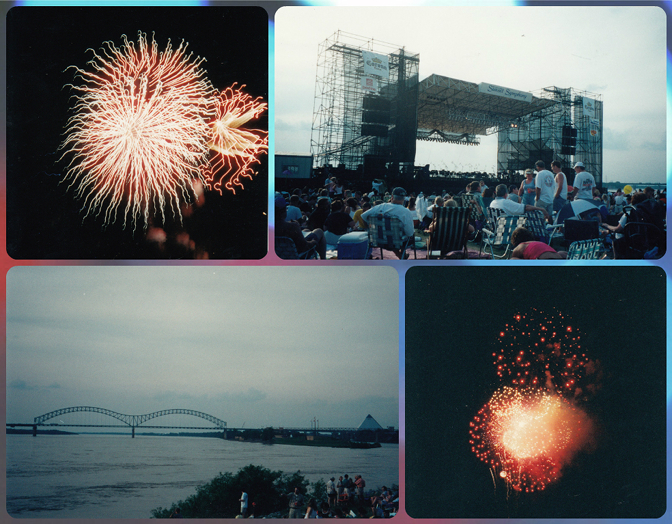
(337, 137)
(539, 135)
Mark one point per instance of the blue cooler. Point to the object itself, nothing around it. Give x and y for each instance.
(353, 246)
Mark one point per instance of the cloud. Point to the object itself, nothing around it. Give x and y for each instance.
(21, 385)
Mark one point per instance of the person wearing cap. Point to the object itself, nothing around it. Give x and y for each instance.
(527, 191)
(395, 207)
(293, 230)
(583, 182)
(544, 184)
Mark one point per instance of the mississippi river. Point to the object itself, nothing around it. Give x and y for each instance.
(101, 476)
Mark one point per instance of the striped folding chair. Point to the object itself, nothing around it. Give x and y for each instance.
(387, 232)
(450, 230)
(501, 237)
(536, 224)
(585, 249)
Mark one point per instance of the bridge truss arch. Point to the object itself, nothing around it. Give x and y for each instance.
(130, 420)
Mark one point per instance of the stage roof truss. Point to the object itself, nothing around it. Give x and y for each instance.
(450, 105)
(435, 135)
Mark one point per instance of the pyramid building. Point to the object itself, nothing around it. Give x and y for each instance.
(370, 424)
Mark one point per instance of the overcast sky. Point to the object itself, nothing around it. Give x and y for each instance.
(617, 52)
(260, 346)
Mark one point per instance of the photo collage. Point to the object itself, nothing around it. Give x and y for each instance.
(308, 260)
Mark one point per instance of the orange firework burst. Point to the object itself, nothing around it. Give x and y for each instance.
(529, 430)
(528, 435)
(142, 129)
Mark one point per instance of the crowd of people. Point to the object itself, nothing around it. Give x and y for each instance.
(318, 218)
(343, 498)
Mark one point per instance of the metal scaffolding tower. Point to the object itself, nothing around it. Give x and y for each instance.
(362, 120)
(569, 130)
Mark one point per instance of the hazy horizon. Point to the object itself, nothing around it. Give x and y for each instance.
(253, 346)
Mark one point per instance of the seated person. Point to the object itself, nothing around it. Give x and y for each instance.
(317, 217)
(487, 195)
(395, 208)
(359, 222)
(351, 207)
(293, 209)
(447, 203)
(639, 214)
(525, 247)
(510, 207)
(293, 230)
(337, 223)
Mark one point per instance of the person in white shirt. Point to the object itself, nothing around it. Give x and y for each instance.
(395, 208)
(583, 182)
(544, 184)
(509, 206)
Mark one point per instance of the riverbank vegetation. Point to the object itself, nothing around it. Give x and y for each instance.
(267, 491)
(220, 497)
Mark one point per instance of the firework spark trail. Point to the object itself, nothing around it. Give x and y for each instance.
(235, 149)
(531, 428)
(142, 132)
(538, 349)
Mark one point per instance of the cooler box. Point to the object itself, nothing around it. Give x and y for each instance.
(353, 246)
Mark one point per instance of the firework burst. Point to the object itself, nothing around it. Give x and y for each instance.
(528, 435)
(531, 428)
(541, 349)
(142, 130)
(234, 148)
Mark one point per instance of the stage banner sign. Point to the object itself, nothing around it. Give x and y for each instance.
(594, 127)
(588, 107)
(375, 64)
(369, 84)
(506, 92)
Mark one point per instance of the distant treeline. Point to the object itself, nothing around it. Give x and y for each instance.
(14, 431)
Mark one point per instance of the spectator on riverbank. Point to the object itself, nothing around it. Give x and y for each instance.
(347, 486)
(243, 505)
(331, 492)
(176, 514)
(359, 484)
(339, 488)
(295, 503)
(311, 510)
(325, 511)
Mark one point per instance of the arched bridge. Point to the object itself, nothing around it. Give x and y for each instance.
(132, 421)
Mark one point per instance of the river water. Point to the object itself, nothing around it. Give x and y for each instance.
(115, 476)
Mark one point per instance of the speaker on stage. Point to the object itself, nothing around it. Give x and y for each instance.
(376, 117)
(569, 135)
(376, 103)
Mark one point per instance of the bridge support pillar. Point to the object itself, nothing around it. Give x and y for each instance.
(133, 432)
(34, 430)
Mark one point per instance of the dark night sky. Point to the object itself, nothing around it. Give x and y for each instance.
(453, 316)
(44, 219)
